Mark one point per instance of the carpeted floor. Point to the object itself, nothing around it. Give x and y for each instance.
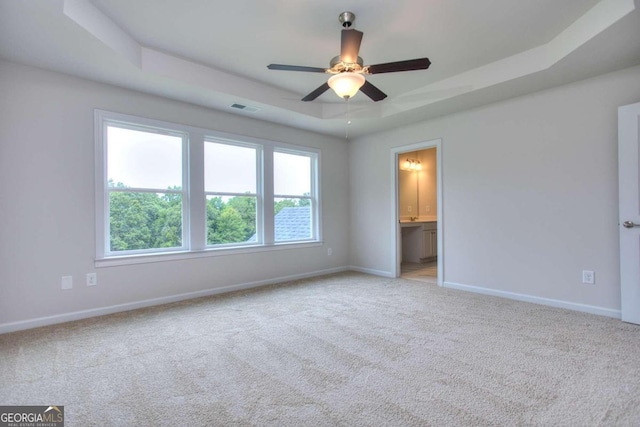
(341, 350)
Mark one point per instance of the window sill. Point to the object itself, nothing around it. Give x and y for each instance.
(182, 255)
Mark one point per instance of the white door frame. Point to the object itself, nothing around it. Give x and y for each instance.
(396, 235)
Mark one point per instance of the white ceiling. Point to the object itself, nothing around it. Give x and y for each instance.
(215, 53)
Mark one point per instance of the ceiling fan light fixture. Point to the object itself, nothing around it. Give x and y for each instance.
(347, 84)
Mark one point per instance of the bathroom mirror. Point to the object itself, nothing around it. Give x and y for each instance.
(417, 187)
(408, 192)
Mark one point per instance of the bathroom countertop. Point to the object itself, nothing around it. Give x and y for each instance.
(420, 220)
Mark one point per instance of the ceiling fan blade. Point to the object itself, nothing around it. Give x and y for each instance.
(392, 67)
(372, 92)
(316, 93)
(296, 68)
(350, 46)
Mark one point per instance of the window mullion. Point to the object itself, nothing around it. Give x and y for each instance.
(197, 198)
(267, 196)
(222, 194)
(143, 190)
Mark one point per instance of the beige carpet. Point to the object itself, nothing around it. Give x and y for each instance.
(341, 350)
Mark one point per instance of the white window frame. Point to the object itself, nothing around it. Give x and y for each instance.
(194, 229)
(257, 194)
(103, 238)
(313, 157)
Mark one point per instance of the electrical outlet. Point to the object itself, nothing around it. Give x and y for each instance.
(409, 208)
(66, 282)
(427, 208)
(92, 279)
(588, 277)
(329, 251)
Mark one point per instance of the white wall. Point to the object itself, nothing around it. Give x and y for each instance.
(47, 202)
(529, 193)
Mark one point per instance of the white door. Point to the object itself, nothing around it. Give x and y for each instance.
(629, 220)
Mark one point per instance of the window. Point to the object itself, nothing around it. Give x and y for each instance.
(144, 189)
(230, 184)
(171, 190)
(293, 196)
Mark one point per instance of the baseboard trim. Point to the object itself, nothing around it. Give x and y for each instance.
(84, 314)
(371, 271)
(95, 312)
(601, 311)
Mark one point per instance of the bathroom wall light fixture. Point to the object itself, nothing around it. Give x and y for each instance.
(412, 165)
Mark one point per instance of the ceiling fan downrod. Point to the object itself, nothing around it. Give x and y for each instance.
(347, 19)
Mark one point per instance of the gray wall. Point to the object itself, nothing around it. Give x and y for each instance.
(529, 192)
(47, 207)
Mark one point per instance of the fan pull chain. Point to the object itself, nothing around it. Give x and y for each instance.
(346, 136)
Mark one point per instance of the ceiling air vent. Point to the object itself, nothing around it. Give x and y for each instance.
(246, 108)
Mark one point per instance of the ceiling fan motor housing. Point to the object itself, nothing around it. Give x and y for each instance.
(347, 19)
(337, 66)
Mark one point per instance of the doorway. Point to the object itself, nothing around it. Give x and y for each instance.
(417, 229)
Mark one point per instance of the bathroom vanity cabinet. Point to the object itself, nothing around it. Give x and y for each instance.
(419, 241)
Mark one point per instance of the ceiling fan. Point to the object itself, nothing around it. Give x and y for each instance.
(347, 69)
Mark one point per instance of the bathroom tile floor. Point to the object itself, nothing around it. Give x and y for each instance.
(424, 272)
